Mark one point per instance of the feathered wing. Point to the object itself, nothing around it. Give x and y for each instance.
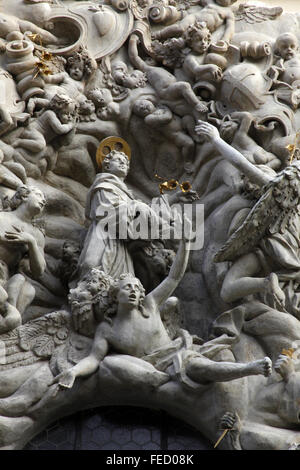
(34, 341)
(253, 229)
(255, 14)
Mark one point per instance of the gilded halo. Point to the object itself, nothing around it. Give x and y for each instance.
(112, 143)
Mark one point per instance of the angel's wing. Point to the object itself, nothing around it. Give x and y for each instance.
(255, 14)
(253, 229)
(34, 341)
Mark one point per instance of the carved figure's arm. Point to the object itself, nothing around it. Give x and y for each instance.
(89, 364)
(45, 36)
(134, 55)
(55, 124)
(162, 292)
(232, 155)
(35, 249)
(194, 68)
(54, 79)
(245, 119)
(229, 26)
(36, 258)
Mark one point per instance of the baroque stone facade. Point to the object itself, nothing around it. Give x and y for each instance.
(149, 249)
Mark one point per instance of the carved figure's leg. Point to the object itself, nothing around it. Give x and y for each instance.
(238, 283)
(133, 370)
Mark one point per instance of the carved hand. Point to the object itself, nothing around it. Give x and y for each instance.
(66, 379)
(231, 421)
(206, 130)
(216, 72)
(19, 236)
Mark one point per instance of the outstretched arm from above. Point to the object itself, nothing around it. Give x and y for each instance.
(211, 133)
(134, 55)
(162, 292)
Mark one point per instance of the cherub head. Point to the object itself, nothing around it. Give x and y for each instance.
(101, 97)
(118, 71)
(79, 65)
(286, 46)
(198, 37)
(143, 107)
(116, 163)
(86, 111)
(122, 77)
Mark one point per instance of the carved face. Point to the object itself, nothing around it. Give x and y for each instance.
(93, 285)
(129, 292)
(87, 107)
(118, 165)
(35, 201)
(132, 80)
(76, 71)
(287, 46)
(101, 97)
(119, 71)
(143, 107)
(200, 42)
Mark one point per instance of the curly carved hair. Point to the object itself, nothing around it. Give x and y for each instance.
(81, 58)
(113, 293)
(110, 156)
(199, 28)
(20, 196)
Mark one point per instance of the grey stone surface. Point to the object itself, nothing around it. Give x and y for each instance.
(117, 117)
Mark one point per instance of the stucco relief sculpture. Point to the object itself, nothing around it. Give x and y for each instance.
(118, 117)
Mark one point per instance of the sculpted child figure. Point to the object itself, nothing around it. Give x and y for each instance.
(235, 129)
(178, 95)
(137, 332)
(58, 119)
(213, 15)
(169, 125)
(286, 71)
(190, 50)
(287, 47)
